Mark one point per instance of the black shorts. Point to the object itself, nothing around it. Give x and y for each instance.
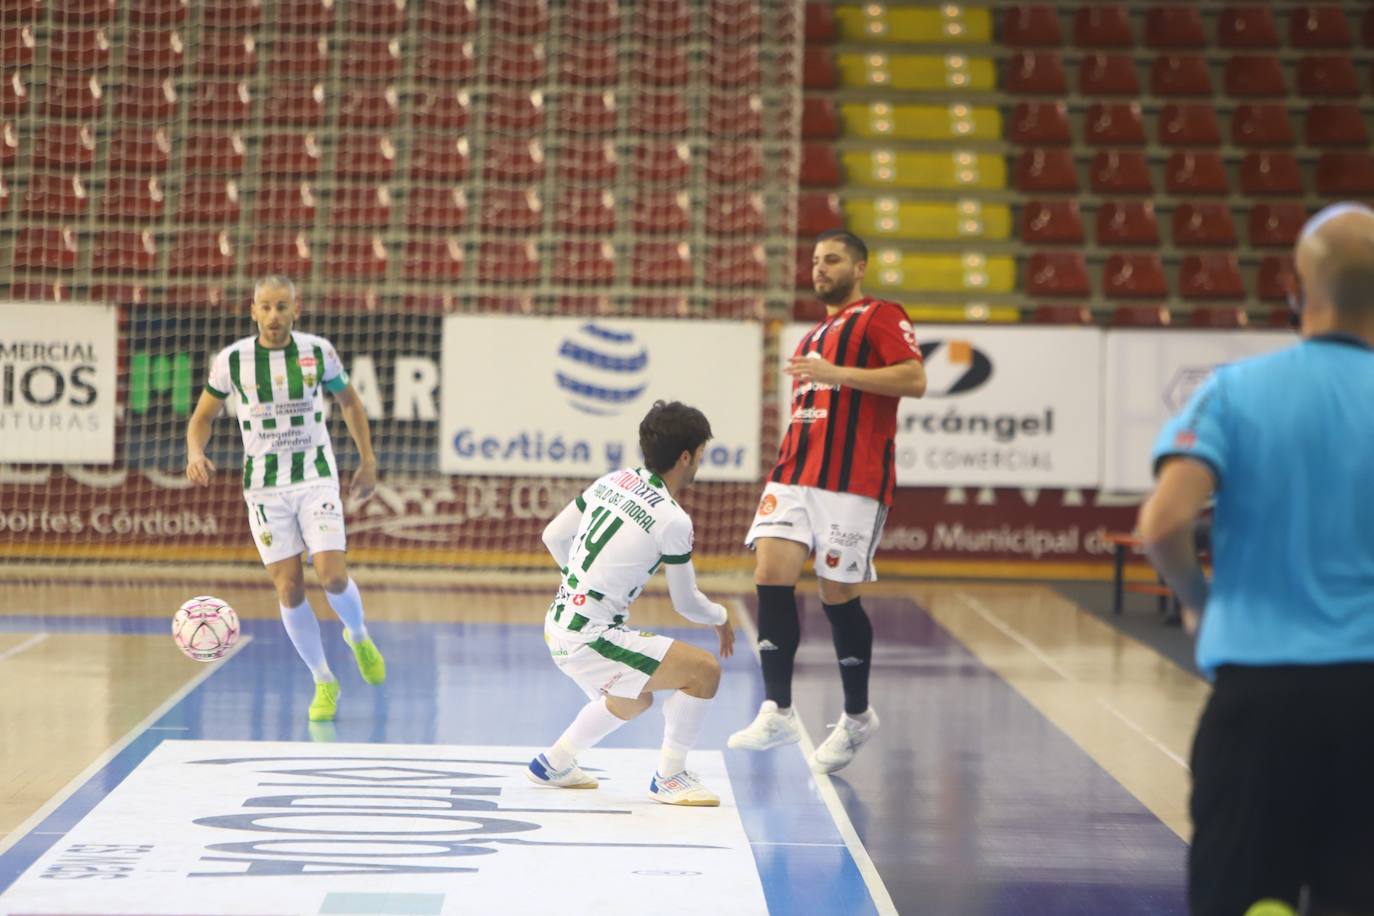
(1283, 789)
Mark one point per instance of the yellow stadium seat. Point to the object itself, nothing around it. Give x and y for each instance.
(958, 314)
(948, 23)
(890, 268)
(885, 121)
(890, 169)
(917, 72)
(888, 217)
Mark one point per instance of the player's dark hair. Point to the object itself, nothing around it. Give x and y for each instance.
(669, 429)
(851, 242)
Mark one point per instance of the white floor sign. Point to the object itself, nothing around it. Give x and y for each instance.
(247, 827)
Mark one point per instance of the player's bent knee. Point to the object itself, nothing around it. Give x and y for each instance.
(334, 584)
(626, 709)
(838, 592)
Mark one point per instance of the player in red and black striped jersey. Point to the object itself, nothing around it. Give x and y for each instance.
(829, 492)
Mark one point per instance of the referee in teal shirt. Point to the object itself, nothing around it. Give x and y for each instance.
(1283, 758)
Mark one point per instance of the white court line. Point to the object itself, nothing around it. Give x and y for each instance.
(882, 900)
(112, 752)
(26, 644)
(982, 610)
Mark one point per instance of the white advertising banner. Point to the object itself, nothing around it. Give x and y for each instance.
(564, 396)
(57, 383)
(1004, 406)
(1149, 377)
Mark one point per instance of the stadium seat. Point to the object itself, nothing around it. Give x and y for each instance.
(78, 50)
(374, 17)
(1242, 27)
(1168, 27)
(451, 62)
(1276, 225)
(514, 63)
(587, 65)
(356, 256)
(365, 106)
(1197, 225)
(661, 212)
(46, 248)
(1065, 313)
(67, 95)
(16, 47)
(519, 114)
(213, 102)
(1315, 26)
(14, 95)
(1336, 124)
(1039, 124)
(820, 22)
(434, 259)
(364, 206)
(736, 163)
(139, 150)
(585, 210)
(583, 18)
(209, 200)
(154, 53)
(124, 251)
(818, 69)
(1327, 75)
(589, 114)
(1113, 124)
(516, 210)
(820, 166)
(508, 262)
(1051, 222)
(227, 54)
(1030, 25)
(735, 266)
(202, 253)
(1107, 74)
(1035, 73)
(1261, 125)
(587, 161)
(289, 155)
(438, 158)
(315, 16)
(584, 262)
(1215, 275)
(817, 212)
(1128, 315)
(1175, 75)
(735, 117)
(1270, 173)
(1102, 26)
(132, 198)
(1057, 273)
(1134, 276)
(301, 57)
(288, 204)
(661, 264)
(436, 207)
(1274, 278)
(1127, 223)
(442, 109)
(1188, 124)
(671, 163)
(364, 155)
(735, 213)
(63, 148)
(1045, 170)
(664, 22)
(1254, 76)
(215, 152)
(1119, 172)
(152, 13)
(9, 146)
(1218, 316)
(55, 196)
(1345, 174)
(734, 68)
(1188, 172)
(231, 14)
(660, 114)
(820, 120)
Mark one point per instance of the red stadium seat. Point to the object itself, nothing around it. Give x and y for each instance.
(289, 204)
(506, 160)
(1197, 225)
(1270, 173)
(1102, 26)
(217, 102)
(154, 54)
(591, 114)
(661, 212)
(1327, 75)
(124, 251)
(78, 50)
(1107, 74)
(53, 196)
(1113, 124)
(301, 57)
(737, 266)
(585, 18)
(362, 155)
(294, 104)
(1035, 73)
(508, 262)
(1274, 277)
(231, 14)
(364, 106)
(438, 158)
(1246, 27)
(819, 70)
(431, 258)
(518, 210)
(1261, 125)
(664, 21)
(734, 68)
(436, 207)
(42, 248)
(1218, 316)
(734, 21)
(365, 206)
(1134, 276)
(1336, 124)
(459, 17)
(227, 54)
(375, 17)
(735, 117)
(1276, 225)
(1180, 75)
(1174, 27)
(289, 155)
(737, 163)
(515, 113)
(1129, 315)
(820, 120)
(661, 264)
(1051, 222)
(660, 114)
(356, 256)
(155, 13)
(669, 163)
(217, 152)
(68, 95)
(820, 22)
(820, 166)
(63, 148)
(139, 150)
(16, 47)
(1030, 25)
(1345, 174)
(1127, 223)
(588, 66)
(130, 198)
(444, 109)
(735, 213)
(1251, 76)
(9, 145)
(1062, 314)
(587, 161)
(1188, 124)
(1318, 27)
(1039, 124)
(1045, 170)
(585, 210)
(201, 253)
(585, 262)
(1053, 273)
(315, 16)
(1119, 172)
(1215, 275)
(209, 200)
(817, 212)
(1195, 172)
(514, 63)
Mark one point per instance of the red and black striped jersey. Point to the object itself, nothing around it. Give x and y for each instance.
(840, 438)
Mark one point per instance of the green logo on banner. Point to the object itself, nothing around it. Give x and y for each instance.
(163, 374)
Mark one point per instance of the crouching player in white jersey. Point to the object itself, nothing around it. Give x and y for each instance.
(290, 480)
(609, 542)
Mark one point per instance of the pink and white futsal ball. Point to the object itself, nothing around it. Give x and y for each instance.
(205, 628)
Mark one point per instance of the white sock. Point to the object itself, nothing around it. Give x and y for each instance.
(304, 631)
(592, 724)
(348, 604)
(682, 718)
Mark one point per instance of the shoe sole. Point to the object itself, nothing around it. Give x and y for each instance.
(553, 785)
(713, 803)
(742, 745)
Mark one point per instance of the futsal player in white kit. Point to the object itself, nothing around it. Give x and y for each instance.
(609, 542)
(277, 381)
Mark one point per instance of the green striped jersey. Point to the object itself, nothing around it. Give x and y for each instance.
(630, 526)
(278, 396)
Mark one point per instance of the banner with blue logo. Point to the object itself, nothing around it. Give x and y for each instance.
(564, 396)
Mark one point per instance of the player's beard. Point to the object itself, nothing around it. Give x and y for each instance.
(838, 292)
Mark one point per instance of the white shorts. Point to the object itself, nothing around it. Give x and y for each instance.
(286, 522)
(604, 659)
(842, 528)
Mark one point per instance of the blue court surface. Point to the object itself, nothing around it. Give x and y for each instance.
(967, 801)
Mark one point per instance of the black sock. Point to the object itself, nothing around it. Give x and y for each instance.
(779, 636)
(853, 636)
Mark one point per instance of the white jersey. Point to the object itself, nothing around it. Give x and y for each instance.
(630, 526)
(279, 396)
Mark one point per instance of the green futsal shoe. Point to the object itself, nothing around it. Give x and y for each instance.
(326, 702)
(371, 665)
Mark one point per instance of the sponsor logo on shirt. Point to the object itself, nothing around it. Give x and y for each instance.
(579, 600)
(768, 505)
(1186, 438)
(832, 558)
(809, 414)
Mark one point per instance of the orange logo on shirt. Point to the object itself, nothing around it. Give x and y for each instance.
(579, 600)
(768, 505)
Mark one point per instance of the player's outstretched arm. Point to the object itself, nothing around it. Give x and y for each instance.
(198, 430)
(355, 418)
(560, 533)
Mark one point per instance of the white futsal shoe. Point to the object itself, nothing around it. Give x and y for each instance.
(845, 740)
(684, 789)
(769, 729)
(570, 777)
